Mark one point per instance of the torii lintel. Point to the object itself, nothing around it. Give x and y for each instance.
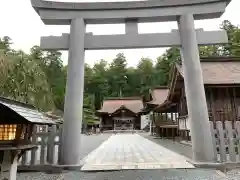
(117, 12)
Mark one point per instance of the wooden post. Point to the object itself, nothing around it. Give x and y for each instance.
(59, 144)
(34, 141)
(237, 127)
(162, 132)
(231, 145)
(25, 155)
(153, 123)
(43, 154)
(213, 109)
(9, 165)
(213, 139)
(51, 145)
(222, 146)
(235, 104)
(166, 116)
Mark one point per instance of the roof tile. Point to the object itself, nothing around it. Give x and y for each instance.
(217, 72)
(26, 111)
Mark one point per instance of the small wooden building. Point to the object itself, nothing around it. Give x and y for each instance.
(221, 78)
(121, 113)
(17, 124)
(164, 122)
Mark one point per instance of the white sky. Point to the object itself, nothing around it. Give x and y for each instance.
(20, 22)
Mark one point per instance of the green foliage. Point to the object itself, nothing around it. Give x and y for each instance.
(23, 79)
(233, 47)
(117, 75)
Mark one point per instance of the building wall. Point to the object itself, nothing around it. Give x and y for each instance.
(107, 123)
(223, 105)
(145, 119)
(137, 123)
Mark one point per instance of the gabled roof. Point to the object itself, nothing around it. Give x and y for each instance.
(215, 71)
(219, 70)
(26, 111)
(120, 110)
(112, 105)
(159, 95)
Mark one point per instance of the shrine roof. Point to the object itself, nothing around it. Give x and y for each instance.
(218, 70)
(159, 95)
(26, 111)
(215, 70)
(134, 104)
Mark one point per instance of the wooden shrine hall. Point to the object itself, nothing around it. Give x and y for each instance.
(121, 113)
(221, 78)
(164, 122)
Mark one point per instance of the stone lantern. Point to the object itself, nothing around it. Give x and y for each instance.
(16, 128)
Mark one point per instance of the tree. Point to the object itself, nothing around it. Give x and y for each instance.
(24, 80)
(56, 77)
(164, 64)
(162, 69)
(117, 75)
(233, 46)
(145, 69)
(98, 82)
(206, 51)
(5, 43)
(133, 86)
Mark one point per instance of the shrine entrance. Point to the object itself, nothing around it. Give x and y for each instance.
(187, 38)
(123, 123)
(122, 113)
(123, 119)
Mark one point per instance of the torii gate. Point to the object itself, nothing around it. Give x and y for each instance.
(77, 15)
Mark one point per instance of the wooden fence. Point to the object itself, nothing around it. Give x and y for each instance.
(226, 138)
(48, 140)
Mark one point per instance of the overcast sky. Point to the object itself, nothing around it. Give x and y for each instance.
(20, 22)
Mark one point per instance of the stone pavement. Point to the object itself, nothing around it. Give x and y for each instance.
(132, 151)
(174, 146)
(157, 174)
